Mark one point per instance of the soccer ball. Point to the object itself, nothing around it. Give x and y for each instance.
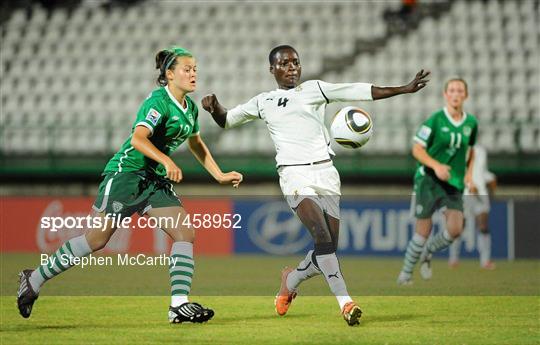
(351, 127)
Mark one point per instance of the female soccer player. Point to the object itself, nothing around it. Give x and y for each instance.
(294, 114)
(444, 150)
(138, 179)
(477, 207)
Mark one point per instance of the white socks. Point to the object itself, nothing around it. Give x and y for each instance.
(453, 251)
(59, 262)
(306, 269)
(329, 265)
(484, 248)
(181, 272)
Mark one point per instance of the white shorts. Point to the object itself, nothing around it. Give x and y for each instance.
(477, 204)
(319, 182)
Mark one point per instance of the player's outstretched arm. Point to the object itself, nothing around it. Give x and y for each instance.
(211, 104)
(416, 84)
(199, 149)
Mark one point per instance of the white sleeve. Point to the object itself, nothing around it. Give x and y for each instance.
(345, 92)
(243, 113)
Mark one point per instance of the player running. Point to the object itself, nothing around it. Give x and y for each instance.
(444, 150)
(138, 179)
(294, 114)
(477, 208)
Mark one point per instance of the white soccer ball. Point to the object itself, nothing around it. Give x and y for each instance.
(351, 127)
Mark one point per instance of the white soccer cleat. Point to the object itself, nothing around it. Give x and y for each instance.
(404, 279)
(425, 265)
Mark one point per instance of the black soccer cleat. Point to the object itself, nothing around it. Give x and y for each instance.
(190, 312)
(26, 295)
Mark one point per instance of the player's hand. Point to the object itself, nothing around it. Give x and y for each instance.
(210, 103)
(173, 171)
(442, 171)
(233, 177)
(418, 82)
(470, 184)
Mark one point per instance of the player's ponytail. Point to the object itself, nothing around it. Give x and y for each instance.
(162, 58)
(166, 59)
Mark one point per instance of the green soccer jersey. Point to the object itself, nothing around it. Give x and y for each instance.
(170, 125)
(448, 141)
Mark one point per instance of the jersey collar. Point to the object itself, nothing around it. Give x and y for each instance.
(175, 101)
(451, 119)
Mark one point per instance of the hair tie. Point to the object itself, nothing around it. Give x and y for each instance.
(169, 60)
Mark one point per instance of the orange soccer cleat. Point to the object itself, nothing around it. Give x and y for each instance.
(351, 313)
(284, 297)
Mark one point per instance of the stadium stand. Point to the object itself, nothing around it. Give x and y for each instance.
(72, 78)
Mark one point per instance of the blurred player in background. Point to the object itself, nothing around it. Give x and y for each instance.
(477, 208)
(294, 114)
(444, 150)
(138, 179)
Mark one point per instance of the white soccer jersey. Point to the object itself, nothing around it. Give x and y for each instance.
(481, 175)
(295, 117)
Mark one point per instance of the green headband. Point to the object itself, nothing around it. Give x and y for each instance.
(175, 51)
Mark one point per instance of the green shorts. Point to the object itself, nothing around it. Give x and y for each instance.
(124, 193)
(431, 194)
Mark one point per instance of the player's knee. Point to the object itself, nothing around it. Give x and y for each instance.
(97, 241)
(321, 235)
(455, 230)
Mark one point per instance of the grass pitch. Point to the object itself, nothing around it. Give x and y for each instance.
(463, 306)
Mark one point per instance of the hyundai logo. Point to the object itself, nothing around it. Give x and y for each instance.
(276, 230)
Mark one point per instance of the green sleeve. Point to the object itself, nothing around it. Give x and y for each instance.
(472, 140)
(150, 115)
(425, 134)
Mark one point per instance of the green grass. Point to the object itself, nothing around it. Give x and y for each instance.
(463, 306)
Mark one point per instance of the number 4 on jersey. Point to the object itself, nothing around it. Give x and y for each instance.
(282, 102)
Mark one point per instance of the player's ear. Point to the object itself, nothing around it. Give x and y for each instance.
(271, 69)
(169, 74)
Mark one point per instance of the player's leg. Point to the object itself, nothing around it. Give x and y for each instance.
(312, 216)
(453, 253)
(307, 268)
(328, 194)
(470, 206)
(455, 248)
(171, 220)
(414, 249)
(30, 281)
(351, 311)
(451, 200)
(441, 240)
(291, 182)
(424, 203)
(484, 241)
